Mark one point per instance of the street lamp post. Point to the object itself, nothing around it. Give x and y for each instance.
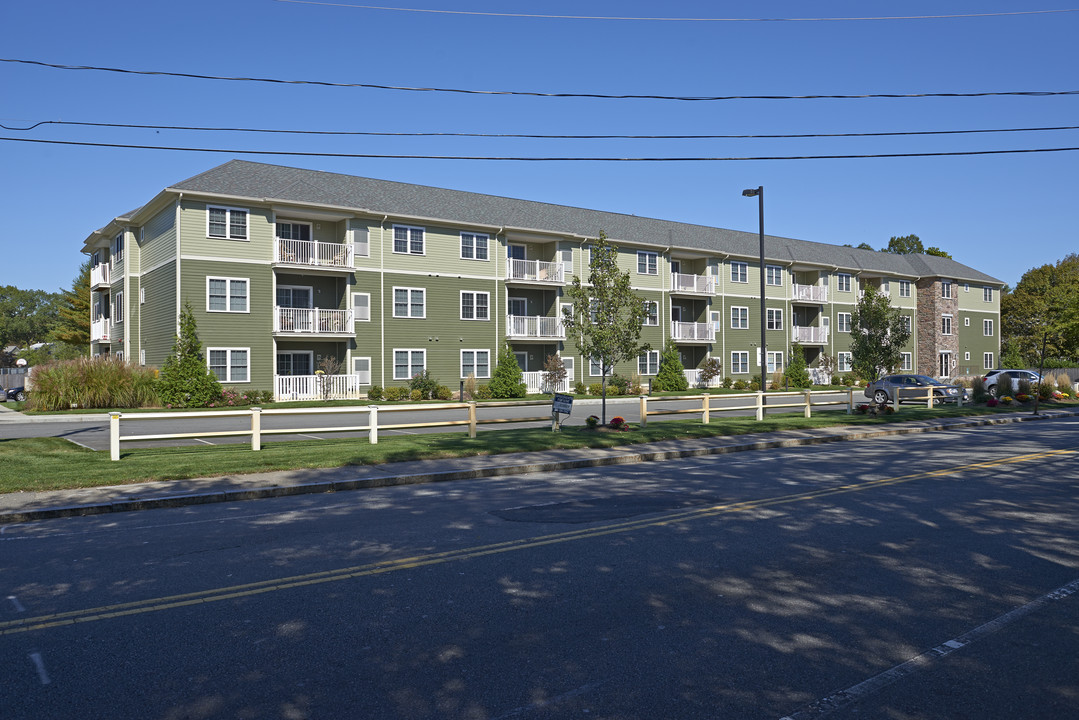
(759, 194)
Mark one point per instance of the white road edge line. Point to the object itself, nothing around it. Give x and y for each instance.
(40, 665)
(829, 704)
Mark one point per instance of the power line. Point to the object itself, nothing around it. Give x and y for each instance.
(375, 133)
(324, 83)
(536, 159)
(673, 19)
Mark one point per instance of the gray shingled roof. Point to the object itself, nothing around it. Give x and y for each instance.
(244, 179)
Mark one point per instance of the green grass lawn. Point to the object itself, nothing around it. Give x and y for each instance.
(53, 463)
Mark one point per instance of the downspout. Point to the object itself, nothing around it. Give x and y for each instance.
(497, 293)
(179, 215)
(382, 296)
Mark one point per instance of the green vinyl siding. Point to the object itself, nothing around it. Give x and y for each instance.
(158, 239)
(194, 241)
(159, 313)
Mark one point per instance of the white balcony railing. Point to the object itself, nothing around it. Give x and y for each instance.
(99, 275)
(694, 331)
(813, 335)
(536, 384)
(693, 377)
(535, 271)
(534, 328)
(699, 284)
(810, 293)
(313, 254)
(99, 330)
(318, 387)
(313, 321)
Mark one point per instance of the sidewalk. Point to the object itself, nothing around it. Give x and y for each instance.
(32, 506)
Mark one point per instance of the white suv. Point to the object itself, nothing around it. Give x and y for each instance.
(993, 378)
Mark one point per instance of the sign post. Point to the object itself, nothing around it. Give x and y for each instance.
(560, 404)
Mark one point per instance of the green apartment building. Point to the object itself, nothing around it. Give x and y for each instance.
(289, 269)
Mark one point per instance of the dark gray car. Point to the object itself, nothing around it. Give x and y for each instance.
(913, 388)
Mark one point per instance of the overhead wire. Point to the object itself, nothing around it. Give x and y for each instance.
(536, 158)
(601, 96)
(375, 133)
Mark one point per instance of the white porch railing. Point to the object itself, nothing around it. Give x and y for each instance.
(99, 330)
(318, 387)
(703, 284)
(814, 335)
(313, 253)
(703, 332)
(99, 275)
(693, 377)
(312, 321)
(810, 293)
(534, 327)
(535, 271)
(818, 376)
(536, 384)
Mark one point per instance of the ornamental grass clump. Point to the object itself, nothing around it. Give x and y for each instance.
(100, 382)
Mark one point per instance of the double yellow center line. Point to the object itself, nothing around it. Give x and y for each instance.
(232, 592)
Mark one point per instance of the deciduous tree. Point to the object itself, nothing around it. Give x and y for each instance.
(878, 335)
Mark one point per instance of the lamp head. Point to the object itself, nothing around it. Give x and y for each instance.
(751, 192)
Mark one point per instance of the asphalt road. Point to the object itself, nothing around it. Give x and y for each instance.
(94, 433)
(908, 577)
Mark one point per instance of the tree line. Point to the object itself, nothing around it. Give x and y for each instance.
(29, 317)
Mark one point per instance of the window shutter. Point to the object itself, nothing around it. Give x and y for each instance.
(361, 368)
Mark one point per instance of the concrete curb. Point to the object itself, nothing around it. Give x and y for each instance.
(613, 456)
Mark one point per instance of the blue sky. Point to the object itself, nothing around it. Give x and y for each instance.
(1001, 214)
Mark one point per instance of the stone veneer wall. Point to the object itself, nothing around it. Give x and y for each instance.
(930, 307)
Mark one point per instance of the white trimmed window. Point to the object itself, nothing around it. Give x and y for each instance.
(987, 361)
(739, 272)
(987, 294)
(966, 322)
(966, 355)
(987, 328)
(739, 318)
(226, 222)
(407, 363)
(945, 289)
(647, 263)
(946, 325)
(775, 319)
(648, 363)
(474, 305)
(906, 322)
(361, 368)
(842, 282)
(142, 295)
(224, 294)
(842, 322)
(409, 303)
(775, 361)
(230, 365)
(408, 240)
(843, 361)
(118, 249)
(476, 362)
(651, 312)
(361, 242)
(908, 361)
(474, 246)
(361, 307)
(118, 307)
(904, 288)
(740, 362)
(773, 275)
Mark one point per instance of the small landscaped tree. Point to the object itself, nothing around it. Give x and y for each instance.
(185, 379)
(554, 373)
(507, 381)
(877, 336)
(606, 316)
(797, 373)
(671, 374)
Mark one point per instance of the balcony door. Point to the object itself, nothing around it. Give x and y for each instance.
(295, 363)
(291, 301)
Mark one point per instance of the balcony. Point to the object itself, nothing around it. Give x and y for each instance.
(692, 332)
(810, 335)
(99, 276)
(815, 294)
(99, 330)
(313, 321)
(531, 327)
(684, 284)
(312, 255)
(535, 271)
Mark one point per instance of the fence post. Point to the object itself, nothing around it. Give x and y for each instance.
(760, 405)
(372, 424)
(256, 428)
(644, 409)
(850, 400)
(929, 398)
(472, 419)
(895, 401)
(705, 409)
(809, 403)
(114, 435)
